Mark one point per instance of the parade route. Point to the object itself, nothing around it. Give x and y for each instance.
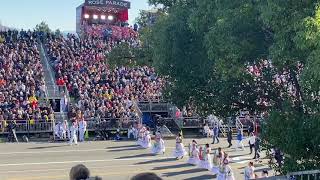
(107, 159)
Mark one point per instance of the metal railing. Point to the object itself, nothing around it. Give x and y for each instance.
(307, 175)
(111, 123)
(154, 107)
(28, 126)
(239, 124)
(189, 122)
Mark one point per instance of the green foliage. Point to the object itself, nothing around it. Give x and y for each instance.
(204, 48)
(43, 27)
(58, 33)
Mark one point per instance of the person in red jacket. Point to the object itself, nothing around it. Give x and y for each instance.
(60, 83)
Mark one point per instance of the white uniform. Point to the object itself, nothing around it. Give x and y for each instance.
(132, 131)
(82, 129)
(73, 130)
(158, 146)
(65, 130)
(58, 130)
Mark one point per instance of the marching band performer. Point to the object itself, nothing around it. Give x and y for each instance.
(82, 129)
(179, 152)
(73, 130)
(65, 130)
(146, 141)
(193, 153)
(158, 146)
(206, 160)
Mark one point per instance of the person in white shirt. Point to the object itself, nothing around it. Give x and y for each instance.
(206, 130)
(132, 133)
(249, 172)
(73, 130)
(65, 130)
(82, 129)
(58, 130)
(252, 140)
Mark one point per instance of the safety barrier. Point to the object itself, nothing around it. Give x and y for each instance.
(28, 126)
(154, 106)
(111, 123)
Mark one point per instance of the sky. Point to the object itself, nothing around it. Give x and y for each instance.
(58, 14)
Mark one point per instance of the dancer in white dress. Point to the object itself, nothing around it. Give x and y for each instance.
(194, 153)
(206, 161)
(158, 146)
(224, 171)
(218, 157)
(146, 142)
(179, 152)
(141, 130)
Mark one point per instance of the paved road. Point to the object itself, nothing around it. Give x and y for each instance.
(110, 160)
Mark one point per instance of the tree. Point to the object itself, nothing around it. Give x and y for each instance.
(206, 49)
(43, 27)
(58, 33)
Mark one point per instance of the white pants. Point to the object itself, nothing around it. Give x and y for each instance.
(129, 134)
(82, 131)
(73, 138)
(240, 144)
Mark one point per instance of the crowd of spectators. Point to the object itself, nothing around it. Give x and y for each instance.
(112, 32)
(21, 78)
(81, 64)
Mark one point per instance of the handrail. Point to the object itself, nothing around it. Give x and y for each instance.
(239, 124)
(138, 110)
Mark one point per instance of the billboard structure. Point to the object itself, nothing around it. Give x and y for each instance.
(114, 12)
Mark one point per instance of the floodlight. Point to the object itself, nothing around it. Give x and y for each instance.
(95, 16)
(103, 17)
(86, 16)
(110, 17)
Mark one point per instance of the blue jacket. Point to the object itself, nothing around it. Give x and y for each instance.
(239, 136)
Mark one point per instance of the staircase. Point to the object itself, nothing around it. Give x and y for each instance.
(52, 90)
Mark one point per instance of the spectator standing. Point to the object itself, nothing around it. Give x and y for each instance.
(229, 137)
(215, 134)
(240, 139)
(252, 140)
(257, 149)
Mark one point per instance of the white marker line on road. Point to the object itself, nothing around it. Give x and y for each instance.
(94, 168)
(85, 161)
(70, 151)
(59, 151)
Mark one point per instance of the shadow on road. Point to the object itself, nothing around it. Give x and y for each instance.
(48, 147)
(136, 156)
(202, 177)
(126, 146)
(129, 149)
(157, 161)
(189, 171)
(172, 166)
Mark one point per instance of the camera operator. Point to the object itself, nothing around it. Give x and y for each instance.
(12, 137)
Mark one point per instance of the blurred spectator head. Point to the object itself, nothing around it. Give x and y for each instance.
(146, 176)
(79, 172)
